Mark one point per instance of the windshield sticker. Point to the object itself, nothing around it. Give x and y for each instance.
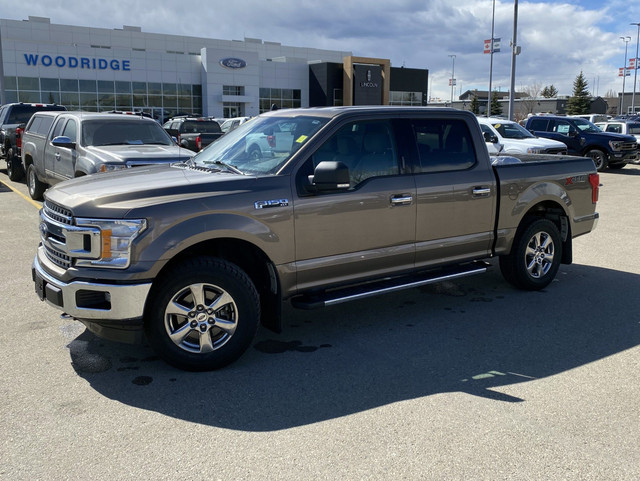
(301, 139)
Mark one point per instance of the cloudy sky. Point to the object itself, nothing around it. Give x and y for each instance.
(559, 38)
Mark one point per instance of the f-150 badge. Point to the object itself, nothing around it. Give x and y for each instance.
(263, 204)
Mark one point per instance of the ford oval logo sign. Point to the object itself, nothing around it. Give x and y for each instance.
(231, 62)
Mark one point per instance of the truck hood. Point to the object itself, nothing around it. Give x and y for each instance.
(144, 153)
(114, 194)
(607, 136)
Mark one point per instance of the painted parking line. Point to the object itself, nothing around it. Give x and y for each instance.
(36, 204)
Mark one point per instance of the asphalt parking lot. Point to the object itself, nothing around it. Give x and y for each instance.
(462, 380)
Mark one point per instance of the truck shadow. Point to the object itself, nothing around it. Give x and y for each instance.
(475, 335)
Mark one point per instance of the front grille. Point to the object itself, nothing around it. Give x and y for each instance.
(58, 213)
(558, 151)
(58, 258)
(629, 146)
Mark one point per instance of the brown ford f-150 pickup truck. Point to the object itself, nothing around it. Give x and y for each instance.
(367, 200)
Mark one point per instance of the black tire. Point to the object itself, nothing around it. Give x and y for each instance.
(14, 167)
(535, 255)
(36, 188)
(203, 314)
(599, 157)
(255, 153)
(616, 165)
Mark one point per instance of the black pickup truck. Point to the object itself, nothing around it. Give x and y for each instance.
(193, 133)
(13, 118)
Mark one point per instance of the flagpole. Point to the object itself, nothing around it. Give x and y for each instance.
(493, 16)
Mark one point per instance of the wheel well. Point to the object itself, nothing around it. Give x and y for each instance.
(28, 160)
(595, 147)
(555, 213)
(253, 261)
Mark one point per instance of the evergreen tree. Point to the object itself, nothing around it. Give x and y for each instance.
(580, 102)
(496, 108)
(549, 92)
(475, 106)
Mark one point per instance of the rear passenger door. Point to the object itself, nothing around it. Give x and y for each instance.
(456, 192)
(366, 230)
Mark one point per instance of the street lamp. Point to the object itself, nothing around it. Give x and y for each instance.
(626, 41)
(453, 79)
(635, 72)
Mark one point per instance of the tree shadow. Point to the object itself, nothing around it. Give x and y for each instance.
(472, 335)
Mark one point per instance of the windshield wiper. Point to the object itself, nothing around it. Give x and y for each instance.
(230, 167)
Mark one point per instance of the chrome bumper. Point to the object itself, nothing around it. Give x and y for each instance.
(91, 301)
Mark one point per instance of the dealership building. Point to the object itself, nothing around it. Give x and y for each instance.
(100, 69)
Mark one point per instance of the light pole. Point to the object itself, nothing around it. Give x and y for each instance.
(626, 41)
(515, 50)
(635, 71)
(493, 19)
(453, 78)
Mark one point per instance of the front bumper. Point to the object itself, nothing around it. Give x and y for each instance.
(91, 301)
(627, 157)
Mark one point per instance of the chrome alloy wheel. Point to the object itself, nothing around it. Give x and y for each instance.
(539, 254)
(201, 318)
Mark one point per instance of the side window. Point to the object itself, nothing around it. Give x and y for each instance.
(71, 130)
(34, 124)
(617, 128)
(562, 127)
(444, 145)
(486, 130)
(45, 125)
(57, 129)
(367, 148)
(538, 124)
(3, 113)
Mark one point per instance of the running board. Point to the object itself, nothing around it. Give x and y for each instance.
(389, 284)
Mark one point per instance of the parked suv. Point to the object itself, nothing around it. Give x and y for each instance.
(60, 146)
(585, 139)
(13, 118)
(193, 133)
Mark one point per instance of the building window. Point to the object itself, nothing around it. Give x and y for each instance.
(232, 90)
(282, 98)
(405, 98)
(337, 97)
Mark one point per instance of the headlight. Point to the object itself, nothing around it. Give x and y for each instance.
(534, 150)
(615, 144)
(114, 242)
(111, 167)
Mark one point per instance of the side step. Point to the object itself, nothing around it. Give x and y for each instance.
(389, 284)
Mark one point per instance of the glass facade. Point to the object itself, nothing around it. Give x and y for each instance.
(161, 99)
(283, 98)
(405, 98)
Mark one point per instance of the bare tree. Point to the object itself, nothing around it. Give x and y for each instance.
(531, 92)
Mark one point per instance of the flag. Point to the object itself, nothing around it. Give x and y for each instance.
(633, 64)
(625, 70)
(452, 82)
(487, 45)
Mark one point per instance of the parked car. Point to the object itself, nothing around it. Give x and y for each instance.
(593, 118)
(233, 123)
(585, 139)
(515, 139)
(193, 133)
(13, 118)
(627, 127)
(61, 145)
(369, 200)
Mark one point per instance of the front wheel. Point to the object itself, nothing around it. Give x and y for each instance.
(535, 256)
(599, 158)
(203, 315)
(14, 166)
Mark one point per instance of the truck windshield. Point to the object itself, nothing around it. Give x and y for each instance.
(123, 132)
(262, 145)
(512, 130)
(586, 126)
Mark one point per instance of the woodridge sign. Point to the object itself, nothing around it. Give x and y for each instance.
(77, 62)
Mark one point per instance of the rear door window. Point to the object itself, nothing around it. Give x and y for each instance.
(539, 125)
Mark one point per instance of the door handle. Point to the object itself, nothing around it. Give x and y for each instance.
(57, 155)
(481, 191)
(401, 199)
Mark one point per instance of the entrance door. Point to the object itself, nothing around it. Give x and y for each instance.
(230, 111)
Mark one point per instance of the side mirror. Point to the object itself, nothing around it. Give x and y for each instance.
(491, 138)
(330, 176)
(62, 141)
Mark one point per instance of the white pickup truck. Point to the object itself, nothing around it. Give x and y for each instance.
(515, 139)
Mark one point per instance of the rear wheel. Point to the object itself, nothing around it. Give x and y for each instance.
(203, 315)
(599, 158)
(14, 166)
(36, 188)
(535, 255)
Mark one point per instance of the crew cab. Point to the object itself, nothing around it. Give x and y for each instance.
(367, 200)
(61, 145)
(584, 138)
(515, 139)
(193, 133)
(13, 118)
